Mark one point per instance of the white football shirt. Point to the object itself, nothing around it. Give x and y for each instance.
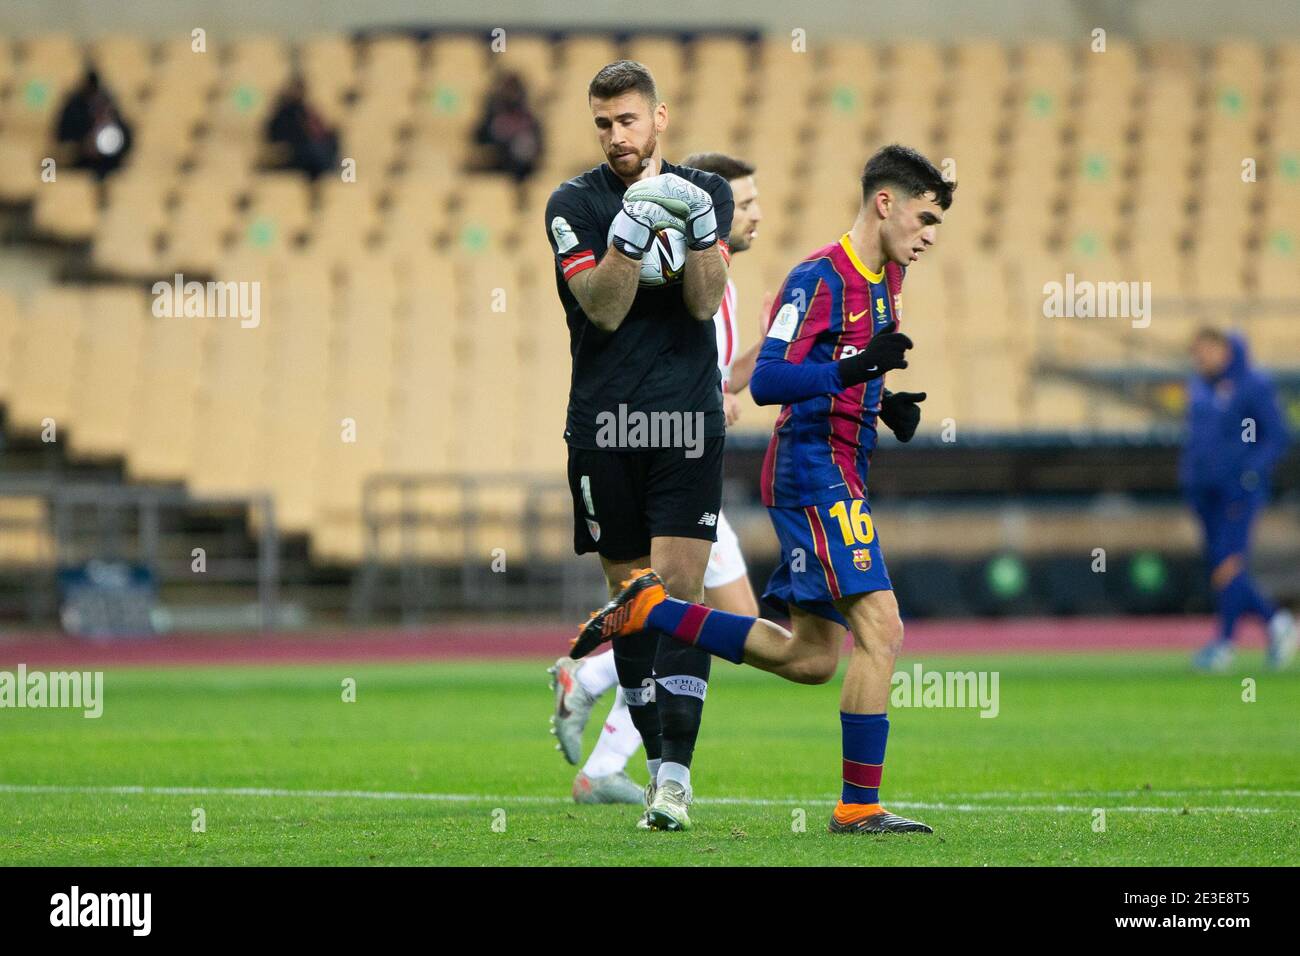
(726, 329)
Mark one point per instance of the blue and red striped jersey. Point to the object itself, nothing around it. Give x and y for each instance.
(829, 308)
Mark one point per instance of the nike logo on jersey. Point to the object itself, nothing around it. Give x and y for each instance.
(854, 316)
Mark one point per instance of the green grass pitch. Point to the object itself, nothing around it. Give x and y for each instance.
(451, 764)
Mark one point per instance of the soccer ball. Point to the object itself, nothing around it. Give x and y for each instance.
(665, 260)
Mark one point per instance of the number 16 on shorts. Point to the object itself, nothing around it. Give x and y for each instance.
(845, 543)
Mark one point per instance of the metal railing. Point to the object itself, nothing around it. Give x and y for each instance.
(438, 544)
(140, 524)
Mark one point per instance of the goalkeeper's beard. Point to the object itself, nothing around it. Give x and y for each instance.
(625, 164)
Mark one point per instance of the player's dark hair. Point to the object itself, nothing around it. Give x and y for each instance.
(1208, 333)
(728, 167)
(905, 169)
(623, 76)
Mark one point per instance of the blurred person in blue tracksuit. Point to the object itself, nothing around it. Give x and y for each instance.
(1235, 436)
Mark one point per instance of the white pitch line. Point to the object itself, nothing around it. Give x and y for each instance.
(1205, 792)
(501, 799)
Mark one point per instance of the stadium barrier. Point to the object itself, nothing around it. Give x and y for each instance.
(438, 544)
(127, 559)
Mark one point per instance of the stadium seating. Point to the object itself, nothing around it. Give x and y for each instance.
(417, 301)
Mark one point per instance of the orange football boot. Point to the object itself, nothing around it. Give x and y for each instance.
(871, 818)
(624, 615)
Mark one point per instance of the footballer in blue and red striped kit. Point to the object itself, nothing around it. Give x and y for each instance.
(830, 308)
(832, 338)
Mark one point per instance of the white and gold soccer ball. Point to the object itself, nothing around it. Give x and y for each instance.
(665, 260)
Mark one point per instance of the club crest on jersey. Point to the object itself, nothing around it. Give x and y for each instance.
(862, 559)
(563, 234)
(593, 527)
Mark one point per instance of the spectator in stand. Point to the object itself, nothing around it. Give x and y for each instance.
(303, 139)
(92, 128)
(509, 135)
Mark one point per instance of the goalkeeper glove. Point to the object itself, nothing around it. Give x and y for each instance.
(684, 200)
(636, 224)
(901, 412)
(884, 352)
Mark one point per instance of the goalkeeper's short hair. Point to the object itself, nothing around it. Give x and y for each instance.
(623, 76)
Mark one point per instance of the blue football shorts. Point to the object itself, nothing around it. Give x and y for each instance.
(828, 552)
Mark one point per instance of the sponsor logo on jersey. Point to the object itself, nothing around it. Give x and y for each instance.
(708, 518)
(854, 316)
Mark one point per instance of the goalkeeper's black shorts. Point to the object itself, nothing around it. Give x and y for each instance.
(624, 497)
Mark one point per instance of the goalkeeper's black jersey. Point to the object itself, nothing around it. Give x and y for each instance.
(660, 359)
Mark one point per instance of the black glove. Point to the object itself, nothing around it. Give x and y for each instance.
(899, 411)
(884, 352)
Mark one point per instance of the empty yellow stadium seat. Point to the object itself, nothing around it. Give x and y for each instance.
(44, 370)
(68, 207)
(104, 390)
(418, 301)
(23, 157)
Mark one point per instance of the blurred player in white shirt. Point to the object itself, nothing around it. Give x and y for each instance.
(578, 684)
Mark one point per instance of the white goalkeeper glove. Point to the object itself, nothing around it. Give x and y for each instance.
(683, 199)
(636, 224)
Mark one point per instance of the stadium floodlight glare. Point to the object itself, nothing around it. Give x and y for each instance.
(1147, 572)
(1006, 576)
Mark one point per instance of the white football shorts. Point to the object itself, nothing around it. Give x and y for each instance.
(726, 563)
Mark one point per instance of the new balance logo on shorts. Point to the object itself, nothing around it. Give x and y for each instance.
(709, 519)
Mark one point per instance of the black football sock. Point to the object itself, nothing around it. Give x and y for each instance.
(681, 680)
(634, 658)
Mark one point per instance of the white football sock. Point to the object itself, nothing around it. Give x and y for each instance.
(653, 767)
(598, 674)
(1281, 622)
(674, 771)
(617, 742)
